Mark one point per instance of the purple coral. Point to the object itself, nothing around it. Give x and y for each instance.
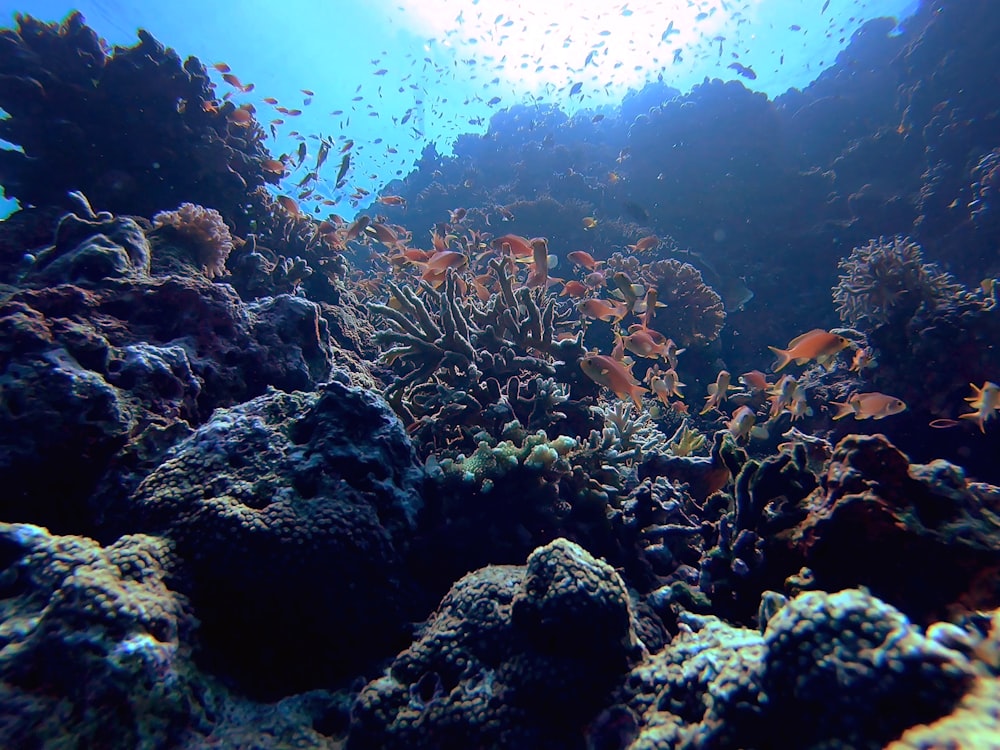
(204, 230)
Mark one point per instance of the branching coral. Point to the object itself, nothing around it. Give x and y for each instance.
(463, 365)
(886, 278)
(204, 230)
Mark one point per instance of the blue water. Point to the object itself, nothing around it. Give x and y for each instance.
(397, 75)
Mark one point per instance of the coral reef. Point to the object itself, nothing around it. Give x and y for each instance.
(92, 633)
(285, 499)
(923, 537)
(498, 663)
(205, 230)
(692, 312)
(840, 668)
(888, 279)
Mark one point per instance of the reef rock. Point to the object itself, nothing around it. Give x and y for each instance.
(286, 504)
(923, 537)
(513, 657)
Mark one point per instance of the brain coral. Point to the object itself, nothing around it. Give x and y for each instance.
(293, 512)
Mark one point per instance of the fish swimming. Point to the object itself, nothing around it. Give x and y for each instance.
(612, 374)
(869, 406)
(816, 344)
(984, 401)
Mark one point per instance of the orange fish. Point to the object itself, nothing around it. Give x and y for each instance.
(514, 245)
(741, 424)
(646, 243)
(755, 380)
(589, 222)
(289, 205)
(273, 166)
(717, 392)
(862, 358)
(985, 401)
(868, 406)
(221, 67)
(645, 342)
(612, 374)
(583, 258)
(816, 344)
(664, 384)
(782, 394)
(539, 275)
(357, 227)
(270, 100)
(573, 289)
(600, 309)
(392, 200)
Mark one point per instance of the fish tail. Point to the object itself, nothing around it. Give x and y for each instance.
(636, 393)
(783, 358)
(844, 409)
(979, 420)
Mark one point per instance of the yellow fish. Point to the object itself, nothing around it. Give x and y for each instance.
(717, 392)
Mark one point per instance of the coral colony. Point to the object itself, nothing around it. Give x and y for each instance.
(562, 443)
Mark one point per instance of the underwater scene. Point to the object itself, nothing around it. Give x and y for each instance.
(479, 374)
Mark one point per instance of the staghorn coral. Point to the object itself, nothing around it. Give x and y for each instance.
(204, 230)
(888, 278)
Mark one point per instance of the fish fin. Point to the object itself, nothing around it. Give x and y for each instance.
(783, 358)
(844, 409)
(803, 337)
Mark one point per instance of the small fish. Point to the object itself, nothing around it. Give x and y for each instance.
(741, 424)
(743, 70)
(782, 394)
(717, 392)
(863, 358)
(270, 100)
(575, 89)
(868, 406)
(943, 423)
(664, 384)
(345, 164)
(583, 258)
(273, 166)
(221, 67)
(574, 288)
(392, 200)
(984, 401)
(289, 205)
(645, 342)
(324, 150)
(645, 244)
(630, 292)
(589, 222)
(817, 344)
(755, 380)
(600, 309)
(612, 374)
